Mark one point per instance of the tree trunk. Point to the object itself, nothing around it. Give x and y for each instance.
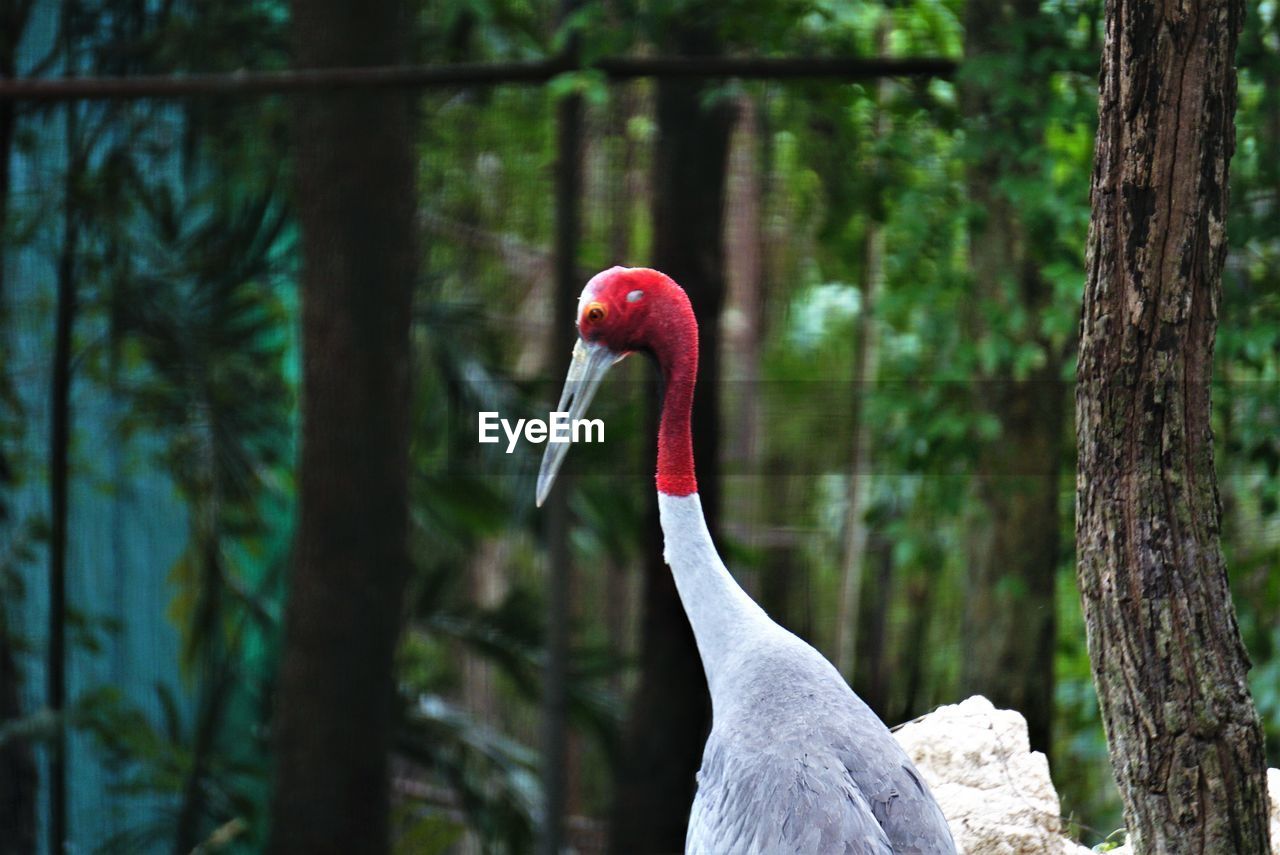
(60, 416)
(670, 712)
(877, 668)
(762, 482)
(17, 766)
(18, 779)
(555, 712)
(213, 661)
(625, 187)
(1009, 623)
(743, 340)
(866, 367)
(355, 196)
(1167, 657)
(922, 606)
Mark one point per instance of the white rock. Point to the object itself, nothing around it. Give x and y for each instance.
(994, 790)
(1273, 788)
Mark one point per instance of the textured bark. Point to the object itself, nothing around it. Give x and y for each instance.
(670, 712)
(354, 186)
(1009, 624)
(1168, 660)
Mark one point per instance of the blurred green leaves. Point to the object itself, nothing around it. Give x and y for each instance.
(190, 254)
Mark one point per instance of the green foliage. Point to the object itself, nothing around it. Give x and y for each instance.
(828, 177)
(189, 265)
(425, 832)
(1246, 421)
(1114, 840)
(156, 760)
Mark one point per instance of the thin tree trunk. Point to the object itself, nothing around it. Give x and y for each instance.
(555, 736)
(785, 584)
(783, 580)
(59, 451)
(619, 592)
(486, 572)
(670, 711)
(866, 367)
(1009, 621)
(335, 705)
(744, 274)
(211, 657)
(764, 482)
(622, 106)
(1167, 657)
(17, 766)
(216, 679)
(18, 779)
(921, 605)
(872, 681)
(741, 346)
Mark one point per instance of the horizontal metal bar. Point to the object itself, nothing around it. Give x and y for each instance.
(775, 68)
(461, 74)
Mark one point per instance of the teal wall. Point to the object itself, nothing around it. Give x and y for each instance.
(127, 525)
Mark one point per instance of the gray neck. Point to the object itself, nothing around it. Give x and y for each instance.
(725, 620)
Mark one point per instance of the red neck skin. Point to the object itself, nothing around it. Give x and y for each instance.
(674, 341)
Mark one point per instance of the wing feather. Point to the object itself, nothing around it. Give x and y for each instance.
(764, 804)
(796, 763)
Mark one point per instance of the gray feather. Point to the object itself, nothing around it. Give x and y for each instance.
(797, 763)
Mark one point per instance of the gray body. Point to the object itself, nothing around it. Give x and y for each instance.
(796, 762)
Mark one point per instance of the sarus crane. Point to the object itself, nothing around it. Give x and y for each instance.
(795, 762)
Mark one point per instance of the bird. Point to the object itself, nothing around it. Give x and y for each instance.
(795, 762)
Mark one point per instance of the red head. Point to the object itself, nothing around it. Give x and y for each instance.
(623, 310)
(629, 309)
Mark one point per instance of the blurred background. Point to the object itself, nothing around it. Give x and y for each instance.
(887, 270)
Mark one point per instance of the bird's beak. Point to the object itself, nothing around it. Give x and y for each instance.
(590, 363)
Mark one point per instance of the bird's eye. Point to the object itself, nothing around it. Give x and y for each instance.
(596, 312)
